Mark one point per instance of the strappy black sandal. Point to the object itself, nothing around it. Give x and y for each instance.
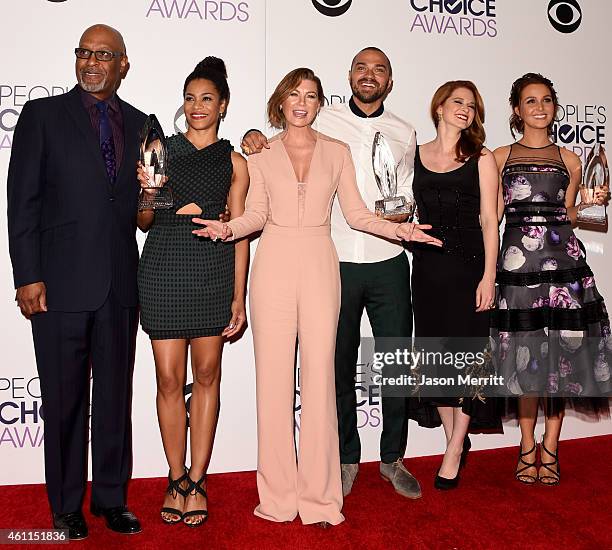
(174, 489)
(554, 476)
(193, 488)
(520, 476)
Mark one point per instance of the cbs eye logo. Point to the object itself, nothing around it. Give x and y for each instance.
(565, 15)
(180, 120)
(332, 8)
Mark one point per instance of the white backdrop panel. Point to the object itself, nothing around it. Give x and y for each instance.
(519, 39)
(261, 40)
(164, 40)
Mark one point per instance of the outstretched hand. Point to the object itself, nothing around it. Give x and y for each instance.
(414, 232)
(213, 229)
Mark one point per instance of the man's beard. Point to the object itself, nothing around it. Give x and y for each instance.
(92, 88)
(375, 95)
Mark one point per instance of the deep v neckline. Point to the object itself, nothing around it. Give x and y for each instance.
(292, 167)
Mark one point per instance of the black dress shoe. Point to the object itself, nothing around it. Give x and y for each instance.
(119, 519)
(74, 522)
(444, 483)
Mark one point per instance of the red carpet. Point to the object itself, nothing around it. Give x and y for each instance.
(489, 510)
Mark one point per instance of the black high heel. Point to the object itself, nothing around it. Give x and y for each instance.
(193, 488)
(555, 476)
(520, 476)
(444, 483)
(174, 489)
(467, 445)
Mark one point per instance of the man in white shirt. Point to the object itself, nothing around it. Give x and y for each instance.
(375, 273)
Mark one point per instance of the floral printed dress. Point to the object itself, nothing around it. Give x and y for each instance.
(551, 332)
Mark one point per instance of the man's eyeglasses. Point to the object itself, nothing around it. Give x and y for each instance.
(101, 55)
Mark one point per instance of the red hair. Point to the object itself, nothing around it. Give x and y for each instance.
(472, 139)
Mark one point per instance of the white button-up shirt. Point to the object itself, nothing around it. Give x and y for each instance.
(339, 121)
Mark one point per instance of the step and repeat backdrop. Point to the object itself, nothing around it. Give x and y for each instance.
(491, 42)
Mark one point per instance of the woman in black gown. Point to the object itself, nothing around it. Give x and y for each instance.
(455, 188)
(192, 290)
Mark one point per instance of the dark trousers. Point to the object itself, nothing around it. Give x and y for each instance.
(383, 289)
(66, 344)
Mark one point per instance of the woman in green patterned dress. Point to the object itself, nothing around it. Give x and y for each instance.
(192, 290)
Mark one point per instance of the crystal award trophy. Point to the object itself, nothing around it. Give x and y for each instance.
(596, 174)
(385, 173)
(154, 159)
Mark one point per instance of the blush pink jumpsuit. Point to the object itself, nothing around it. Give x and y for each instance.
(295, 294)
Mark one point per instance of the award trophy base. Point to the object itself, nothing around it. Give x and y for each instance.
(155, 198)
(393, 206)
(592, 214)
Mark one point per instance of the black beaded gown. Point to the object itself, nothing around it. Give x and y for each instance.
(550, 330)
(185, 282)
(444, 280)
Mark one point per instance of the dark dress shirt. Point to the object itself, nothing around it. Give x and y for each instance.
(116, 120)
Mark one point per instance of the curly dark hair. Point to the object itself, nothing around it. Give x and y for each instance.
(516, 122)
(213, 69)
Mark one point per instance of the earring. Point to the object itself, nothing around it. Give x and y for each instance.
(439, 117)
(222, 115)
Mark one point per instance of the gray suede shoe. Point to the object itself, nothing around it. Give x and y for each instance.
(402, 480)
(349, 473)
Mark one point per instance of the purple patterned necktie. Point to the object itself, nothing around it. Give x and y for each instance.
(107, 143)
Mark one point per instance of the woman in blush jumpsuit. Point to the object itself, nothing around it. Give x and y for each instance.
(295, 294)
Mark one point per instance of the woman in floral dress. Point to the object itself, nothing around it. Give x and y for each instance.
(551, 331)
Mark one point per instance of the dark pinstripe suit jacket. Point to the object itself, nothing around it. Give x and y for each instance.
(68, 225)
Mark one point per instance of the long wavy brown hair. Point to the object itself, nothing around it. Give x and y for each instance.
(472, 139)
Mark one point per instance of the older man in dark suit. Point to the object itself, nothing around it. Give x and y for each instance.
(72, 202)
